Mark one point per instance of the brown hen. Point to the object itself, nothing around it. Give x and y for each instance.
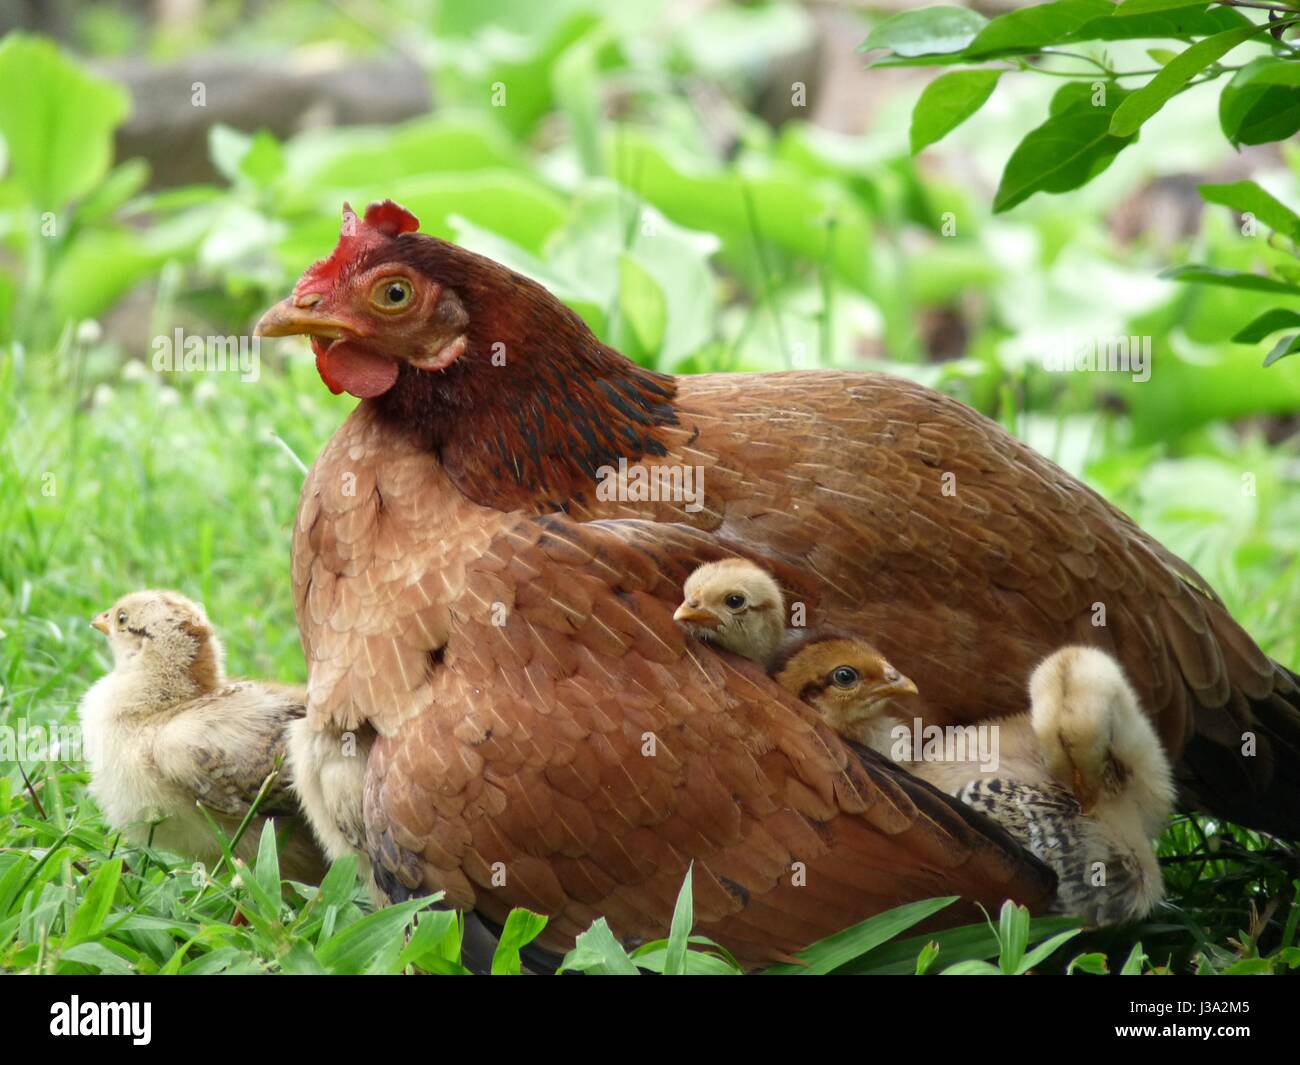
(469, 587)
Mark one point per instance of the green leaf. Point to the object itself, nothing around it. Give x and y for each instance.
(642, 302)
(1072, 147)
(1146, 101)
(1284, 347)
(597, 951)
(1145, 7)
(521, 928)
(947, 102)
(1268, 323)
(1249, 967)
(1248, 198)
(1033, 27)
(972, 968)
(263, 162)
(843, 947)
(356, 947)
(1133, 963)
(267, 870)
(1095, 964)
(97, 956)
(89, 918)
(1213, 275)
(1013, 934)
(679, 932)
(929, 31)
(1045, 950)
(1161, 55)
(436, 940)
(926, 958)
(1262, 102)
(57, 121)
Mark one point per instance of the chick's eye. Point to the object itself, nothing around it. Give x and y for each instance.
(734, 601)
(121, 618)
(391, 294)
(844, 677)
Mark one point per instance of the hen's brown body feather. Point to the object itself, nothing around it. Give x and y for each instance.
(518, 665)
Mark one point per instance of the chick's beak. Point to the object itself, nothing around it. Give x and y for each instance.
(894, 683)
(100, 622)
(694, 615)
(299, 317)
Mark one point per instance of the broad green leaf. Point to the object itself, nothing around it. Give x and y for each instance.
(1284, 347)
(680, 931)
(1162, 55)
(521, 928)
(929, 31)
(1072, 147)
(89, 918)
(596, 951)
(1262, 102)
(57, 121)
(1034, 27)
(1248, 198)
(436, 940)
(947, 102)
(643, 304)
(1146, 101)
(263, 162)
(1145, 7)
(339, 882)
(926, 958)
(227, 147)
(1213, 275)
(574, 82)
(1265, 325)
(1249, 967)
(694, 962)
(1182, 23)
(843, 947)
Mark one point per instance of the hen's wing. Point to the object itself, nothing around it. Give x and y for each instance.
(576, 753)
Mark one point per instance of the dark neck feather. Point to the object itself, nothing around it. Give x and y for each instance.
(532, 433)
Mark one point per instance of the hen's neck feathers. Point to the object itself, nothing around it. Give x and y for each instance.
(537, 405)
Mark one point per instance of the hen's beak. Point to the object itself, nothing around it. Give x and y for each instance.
(288, 318)
(694, 615)
(893, 684)
(100, 622)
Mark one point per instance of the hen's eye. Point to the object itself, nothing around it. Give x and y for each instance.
(391, 294)
(844, 677)
(734, 601)
(121, 619)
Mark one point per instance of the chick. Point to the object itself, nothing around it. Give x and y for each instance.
(849, 682)
(328, 772)
(1081, 780)
(166, 729)
(737, 606)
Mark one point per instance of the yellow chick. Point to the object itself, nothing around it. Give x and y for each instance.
(1081, 779)
(736, 605)
(166, 730)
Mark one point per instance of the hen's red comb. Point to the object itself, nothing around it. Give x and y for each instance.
(382, 222)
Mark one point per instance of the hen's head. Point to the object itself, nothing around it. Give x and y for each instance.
(846, 679)
(736, 605)
(522, 402)
(369, 307)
